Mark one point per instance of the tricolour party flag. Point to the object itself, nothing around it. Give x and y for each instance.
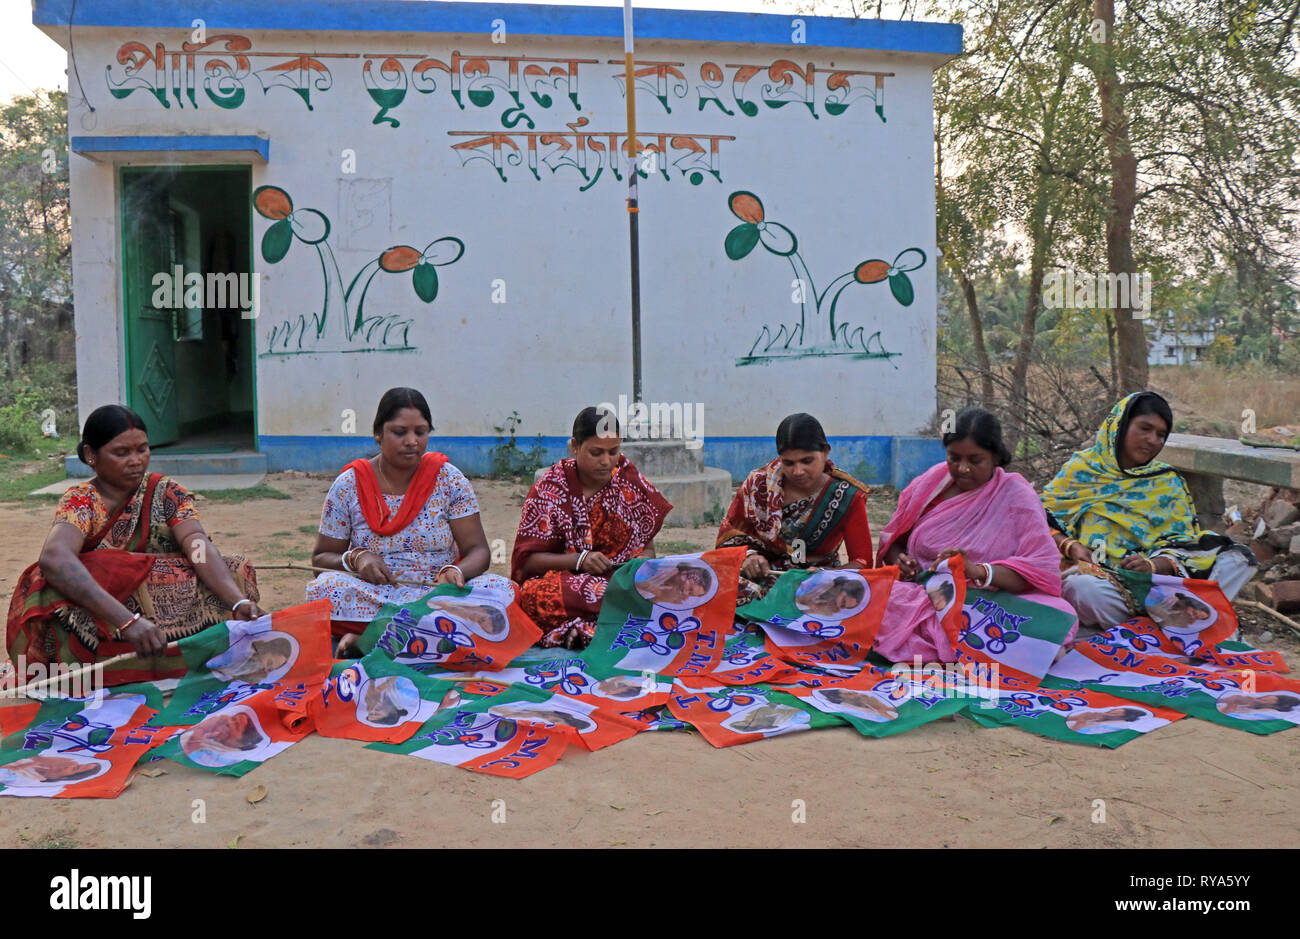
(746, 661)
(289, 646)
(667, 616)
(240, 727)
(659, 718)
(880, 703)
(80, 747)
(461, 628)
(946, 588)
(1076, 715)
(726, 715)
(16, 713)
(593, 727)
(477, 730)
(1261, 702)
(1193, 613)
(1019, 636)
(825, 618)
(375, 699)
(569, 675)
(1141, 634)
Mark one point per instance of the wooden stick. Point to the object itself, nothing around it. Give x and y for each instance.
(77, 673)
(331, 570)
(1271, 612)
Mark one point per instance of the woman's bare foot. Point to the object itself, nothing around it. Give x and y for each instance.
(347, 647)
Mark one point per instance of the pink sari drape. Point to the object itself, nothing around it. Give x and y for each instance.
(1001, 522)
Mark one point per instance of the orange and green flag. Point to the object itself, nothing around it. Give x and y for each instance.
(242, 728)
(1076, 715)
(1193, 614)
(667, 616)
(823, 618)
(74, 748)
(460, 628)
(375, 699)
(727, 715)
(289, 646)
(1124, 662)
(879, 703)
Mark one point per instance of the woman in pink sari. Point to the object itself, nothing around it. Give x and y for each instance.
(968, 506)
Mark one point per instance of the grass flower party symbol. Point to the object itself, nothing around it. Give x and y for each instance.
(819, 330)
(346, 304)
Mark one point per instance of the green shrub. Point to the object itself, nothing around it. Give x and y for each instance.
(31, 392)
(713, 516)
(20, 426)
(508, 458)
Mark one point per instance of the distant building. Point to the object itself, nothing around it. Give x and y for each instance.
(1178, 346)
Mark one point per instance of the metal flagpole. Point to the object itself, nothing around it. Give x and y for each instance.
(632, 209)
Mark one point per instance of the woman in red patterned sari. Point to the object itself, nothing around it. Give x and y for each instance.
(587, 515)
(126, 567)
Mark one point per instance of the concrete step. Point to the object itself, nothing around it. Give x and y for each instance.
(230, 463)
(664, 457)
(199, 484)
(694, 495)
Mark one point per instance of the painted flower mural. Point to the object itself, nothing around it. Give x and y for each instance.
(819, 330)
(346, 305)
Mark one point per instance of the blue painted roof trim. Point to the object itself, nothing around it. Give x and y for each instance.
(173, 142)
(437, 16)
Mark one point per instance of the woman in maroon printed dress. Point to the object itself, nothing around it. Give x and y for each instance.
(588, 514)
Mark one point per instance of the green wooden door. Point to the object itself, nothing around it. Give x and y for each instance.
(150, 235)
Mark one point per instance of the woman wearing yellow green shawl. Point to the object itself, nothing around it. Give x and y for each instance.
(1116, 505)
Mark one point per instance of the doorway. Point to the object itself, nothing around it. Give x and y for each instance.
(187, 279)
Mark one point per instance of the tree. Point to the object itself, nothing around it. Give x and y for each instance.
(35, 242)
(1200, 112)
(1013, 116)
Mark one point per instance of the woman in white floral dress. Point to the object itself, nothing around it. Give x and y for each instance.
(403, 515)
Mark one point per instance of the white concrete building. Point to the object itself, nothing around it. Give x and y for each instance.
(281, 209)
(1178, 347)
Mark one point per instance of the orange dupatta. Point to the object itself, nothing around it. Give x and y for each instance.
(375, 508)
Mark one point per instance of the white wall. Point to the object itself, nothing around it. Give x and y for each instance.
(851, 187)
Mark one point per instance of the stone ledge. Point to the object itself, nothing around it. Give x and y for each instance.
(1231, 459)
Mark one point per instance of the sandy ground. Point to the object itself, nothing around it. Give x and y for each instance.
(947, 784)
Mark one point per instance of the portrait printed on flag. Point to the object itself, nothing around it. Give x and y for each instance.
(46, 774)
(1259, 705)
(833, 595)
(1108, 720)
(254, 655)
(768, 719)
(676, 583)
(868, 705)
(231, 735)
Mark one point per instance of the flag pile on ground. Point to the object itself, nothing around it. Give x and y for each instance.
(452, 678)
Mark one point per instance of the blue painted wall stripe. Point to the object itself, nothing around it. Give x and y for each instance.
(433, 16)
(876, 460)
(173, 142)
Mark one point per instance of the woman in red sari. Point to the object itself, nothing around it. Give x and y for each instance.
(126, 567)
(796, 511)
(587, 515)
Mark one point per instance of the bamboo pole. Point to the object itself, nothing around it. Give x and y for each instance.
(330, 570)
(76, 673)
